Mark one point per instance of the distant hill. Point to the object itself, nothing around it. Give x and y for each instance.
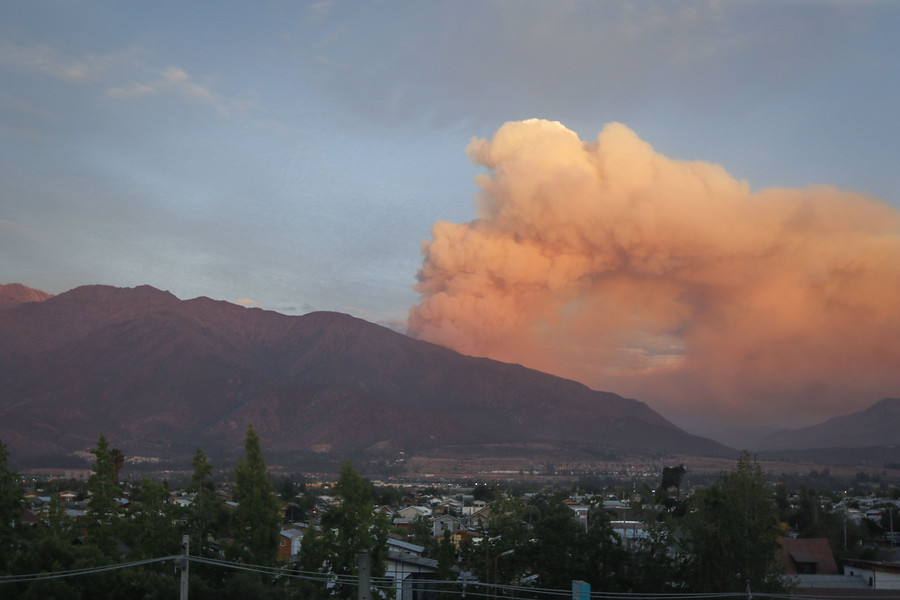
(14, 294)
(877, 427)
(160, 376)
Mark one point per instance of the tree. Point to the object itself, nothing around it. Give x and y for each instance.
(421, 533)
(655, 570)
(258, 514)
(556, 544)
(152, 521)
(562, 549)
(731, 534)
(446, 557)
(206, 514)
(671, 478)
(102, 485)
(118, 461)
(12, 502)
(352, 527)
(104, 493)
(506, 533)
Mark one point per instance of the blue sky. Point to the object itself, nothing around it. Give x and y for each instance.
(297, 154)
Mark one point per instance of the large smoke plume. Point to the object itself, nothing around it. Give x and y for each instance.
(667, 280)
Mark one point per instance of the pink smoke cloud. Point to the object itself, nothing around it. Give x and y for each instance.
(667, 280)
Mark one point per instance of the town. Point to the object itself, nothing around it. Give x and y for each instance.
(259, 535)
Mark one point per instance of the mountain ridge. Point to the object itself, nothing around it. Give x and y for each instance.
(162, 375)
(14, 294)
(878, 425)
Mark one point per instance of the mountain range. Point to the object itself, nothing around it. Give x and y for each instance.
(870, 436)
(878, 425)
(160, 376)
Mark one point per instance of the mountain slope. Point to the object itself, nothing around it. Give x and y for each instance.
(161, 376)
(878, 425)
(14, 294)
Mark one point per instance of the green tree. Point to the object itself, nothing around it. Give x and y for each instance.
(671, 478)
(556, 542)
(352, 527)
(601, 556)
(59, 525)
(446, 557)
(118, 461)
(313, 558)
(505, 535)
(258, 514)
(152, 522)
(654, 568)
(422, 533)
(104, 493)
(731, 533)
(46, 554)
(206, 515)
(12, 501)
(562, 549)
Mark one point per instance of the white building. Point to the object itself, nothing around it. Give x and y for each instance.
(878, 575)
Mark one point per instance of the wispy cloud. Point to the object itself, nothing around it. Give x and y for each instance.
(107, 69)
(246, 302)
(171, 80)
(318, 11)
(46, 60)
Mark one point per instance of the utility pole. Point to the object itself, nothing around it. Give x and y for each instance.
(185, 562)
(364, 589)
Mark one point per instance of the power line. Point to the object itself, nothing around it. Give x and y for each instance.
(387, 584)
(85, 571)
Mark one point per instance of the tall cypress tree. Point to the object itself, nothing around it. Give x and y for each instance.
(104, 491)
(205, 514)
(258, 515)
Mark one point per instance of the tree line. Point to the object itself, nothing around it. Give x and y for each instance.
(722, 538)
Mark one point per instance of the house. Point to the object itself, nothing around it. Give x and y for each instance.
(476, 506)
(630, 532)
(183, 501)
(481, 517)
(807, 557)
(809, 564)
(878, 575)
(582, 512)
(409, 570)
(621, 509)
(385, 510)
(403, 524)
(289, 543)
(445, 523)
(413, 512)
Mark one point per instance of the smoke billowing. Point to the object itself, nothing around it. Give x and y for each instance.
(666, 280)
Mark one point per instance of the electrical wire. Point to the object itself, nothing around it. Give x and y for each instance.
(85, 571)
(388, 584)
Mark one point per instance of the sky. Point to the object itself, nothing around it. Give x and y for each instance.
(690, 203)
